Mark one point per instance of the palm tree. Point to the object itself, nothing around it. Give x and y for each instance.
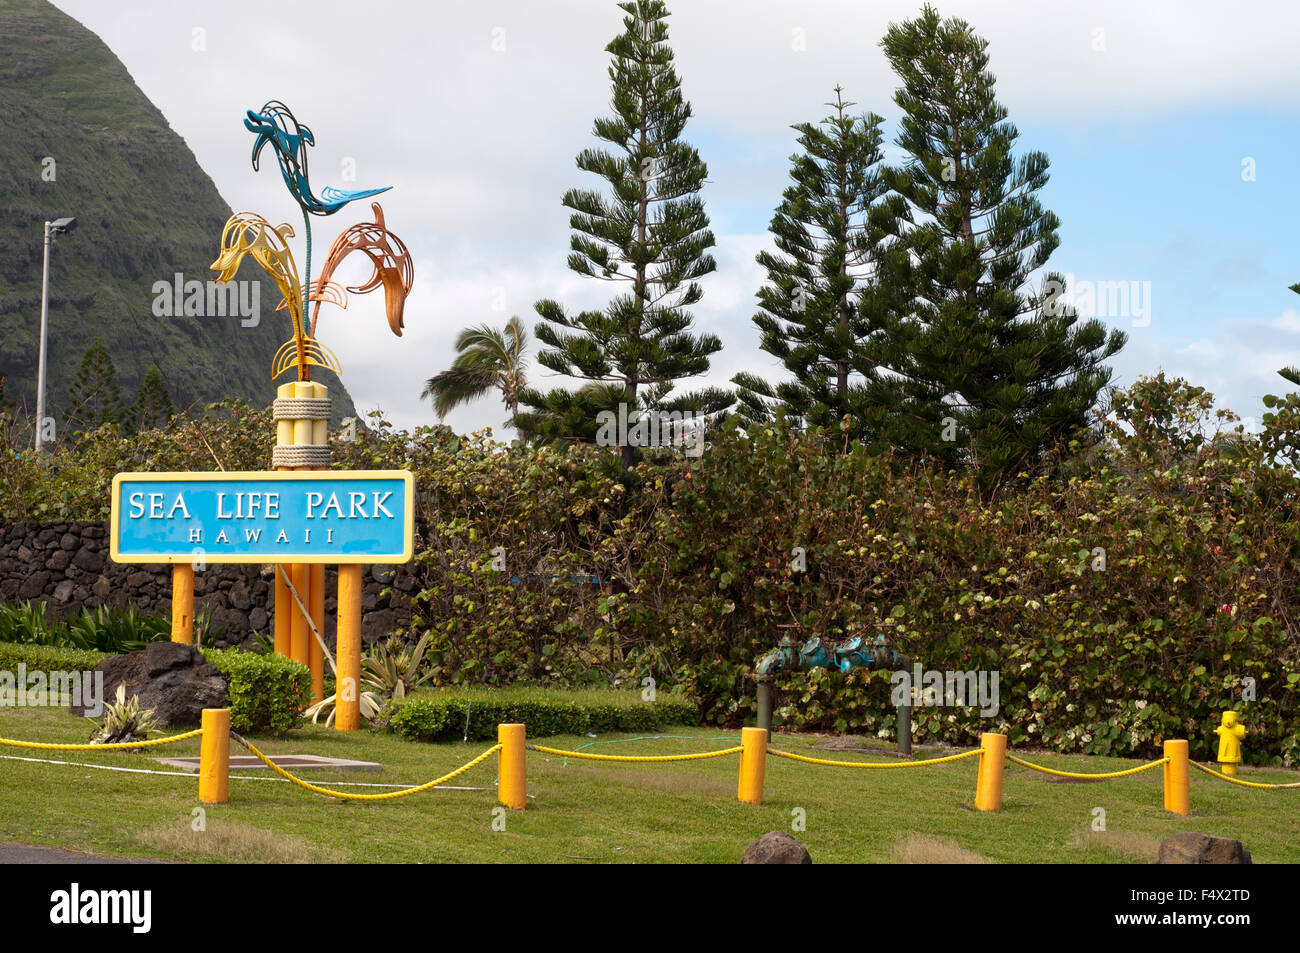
(486, 358)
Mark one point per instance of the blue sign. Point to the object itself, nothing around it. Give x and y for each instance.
(303, 516)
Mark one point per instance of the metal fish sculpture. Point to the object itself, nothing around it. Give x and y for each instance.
(389, 258)
(247, 233)
(274, 125)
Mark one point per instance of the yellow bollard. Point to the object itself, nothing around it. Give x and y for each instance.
(753, 763)
(347, 702)
(183, 603)
(1178, 798)
(512, 779)
(214, 757)
(993, 762)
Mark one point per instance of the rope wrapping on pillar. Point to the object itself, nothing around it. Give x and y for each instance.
(300, 408)
(307, 455)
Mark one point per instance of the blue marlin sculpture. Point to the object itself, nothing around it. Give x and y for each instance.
(275, 125)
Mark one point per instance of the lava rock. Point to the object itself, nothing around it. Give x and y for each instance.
(172, 678)
(1189, 848)
(776, 847)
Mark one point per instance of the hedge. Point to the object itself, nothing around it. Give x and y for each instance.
(441, 715)
(267, 692)
(45, 658)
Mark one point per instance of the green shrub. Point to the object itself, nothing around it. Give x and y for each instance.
(103, 629)
(439, 715)
(45, 658)
(267, 692)
(1127, 595)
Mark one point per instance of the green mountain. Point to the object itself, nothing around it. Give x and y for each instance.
(78, 138)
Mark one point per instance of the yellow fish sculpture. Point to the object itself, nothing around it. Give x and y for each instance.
(247, 233)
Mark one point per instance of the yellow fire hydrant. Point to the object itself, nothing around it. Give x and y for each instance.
(1230, 734)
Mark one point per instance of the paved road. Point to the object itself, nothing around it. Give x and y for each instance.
(22, 854)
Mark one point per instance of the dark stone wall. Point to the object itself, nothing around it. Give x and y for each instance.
(67, 566)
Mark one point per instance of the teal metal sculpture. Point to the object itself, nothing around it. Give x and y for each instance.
(275, 125)
(847, 654)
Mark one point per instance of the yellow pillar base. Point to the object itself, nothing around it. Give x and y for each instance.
(183, 603)
(347, 700)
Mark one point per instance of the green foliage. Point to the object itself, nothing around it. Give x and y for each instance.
(103, 629)
(117, 631)
(153, 407)
(650, 236)
(1120, 605)
(984, 370)
(820, 298)
(267, 692)
(441, 715)
(486, 359)
(46, 658)
(73, 481)
(94, 398)
(390, 669)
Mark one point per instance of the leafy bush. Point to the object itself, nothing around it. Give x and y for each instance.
(44, 658)
(106, 630)
(1131, 595)
(267, 692)
(117, 630)
(71, 480)
(449, 714)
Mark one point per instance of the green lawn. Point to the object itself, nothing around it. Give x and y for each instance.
(597, 812)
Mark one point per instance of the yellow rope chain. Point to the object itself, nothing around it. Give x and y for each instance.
(875, 764)
(1245, 784)
(343, 795)
(116, 746)
(1071, 774)
(629, 758)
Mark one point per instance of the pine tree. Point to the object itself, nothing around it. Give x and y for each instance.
(94, 396)
(153, 407)
(980, 367)
(820, 298)
(650, 236)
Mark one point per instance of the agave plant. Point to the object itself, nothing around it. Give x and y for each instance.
(390, 669)
(124, 720)
(371, 706)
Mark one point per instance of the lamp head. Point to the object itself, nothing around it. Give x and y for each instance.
(61, 226)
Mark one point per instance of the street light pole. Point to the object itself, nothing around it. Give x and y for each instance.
(45, 314)
(60, 226)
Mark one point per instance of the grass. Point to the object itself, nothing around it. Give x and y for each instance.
(588, 812)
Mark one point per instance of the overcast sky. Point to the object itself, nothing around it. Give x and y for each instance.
(1171, 127)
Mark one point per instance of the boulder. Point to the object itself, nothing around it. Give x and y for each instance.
(1191, 848)
(170, 677)
(776, 847)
